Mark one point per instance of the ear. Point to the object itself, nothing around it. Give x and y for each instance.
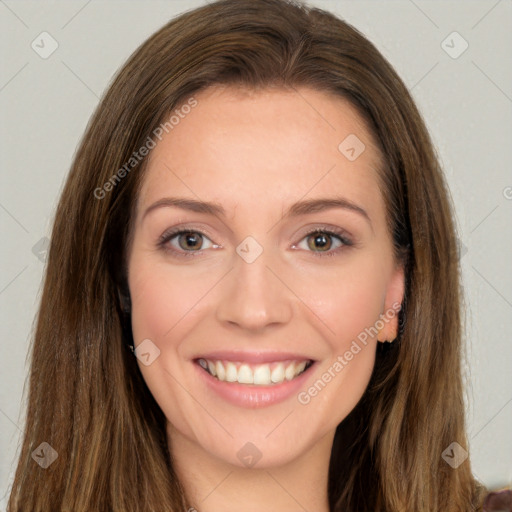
(392, 305)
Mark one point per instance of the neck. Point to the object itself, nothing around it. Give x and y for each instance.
(214, 485)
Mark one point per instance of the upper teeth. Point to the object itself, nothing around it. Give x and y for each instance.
(260, 374)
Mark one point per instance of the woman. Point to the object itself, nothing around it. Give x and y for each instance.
(307, 356)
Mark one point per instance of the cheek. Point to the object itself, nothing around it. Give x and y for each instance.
(348, 299)
(161, 307)
(159, 300)
(349, 303)
(343, 376)
(348, 312)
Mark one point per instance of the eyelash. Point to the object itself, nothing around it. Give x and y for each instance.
(339, 234)
(333, 232)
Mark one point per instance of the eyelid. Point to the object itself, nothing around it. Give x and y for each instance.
(171, 233)
(182, 229)
(342, 235)
(327, 228)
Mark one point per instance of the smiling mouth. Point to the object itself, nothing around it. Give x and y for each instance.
(257, 374)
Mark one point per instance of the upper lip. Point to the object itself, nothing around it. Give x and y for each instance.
(253, 357)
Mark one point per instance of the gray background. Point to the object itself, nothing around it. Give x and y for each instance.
(466, 102)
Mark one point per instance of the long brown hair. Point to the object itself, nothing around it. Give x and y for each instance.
(87, 398)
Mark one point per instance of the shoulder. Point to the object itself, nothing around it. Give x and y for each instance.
(500, 501)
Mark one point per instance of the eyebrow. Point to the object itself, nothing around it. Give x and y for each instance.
(305, 207)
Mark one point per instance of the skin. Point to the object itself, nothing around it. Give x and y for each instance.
(256, 153)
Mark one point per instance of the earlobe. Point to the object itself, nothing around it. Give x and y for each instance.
(388, 325)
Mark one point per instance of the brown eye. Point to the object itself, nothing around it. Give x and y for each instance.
(325, 242)
(185, 242)
(321, 241)
(190, 240)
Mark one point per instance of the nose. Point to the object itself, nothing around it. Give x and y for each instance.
(255, 295)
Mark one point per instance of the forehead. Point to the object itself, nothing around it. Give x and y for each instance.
(252, 149)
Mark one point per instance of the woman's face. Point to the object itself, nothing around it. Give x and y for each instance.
(286, 322)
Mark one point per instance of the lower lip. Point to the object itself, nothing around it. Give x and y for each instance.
(251, 396)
